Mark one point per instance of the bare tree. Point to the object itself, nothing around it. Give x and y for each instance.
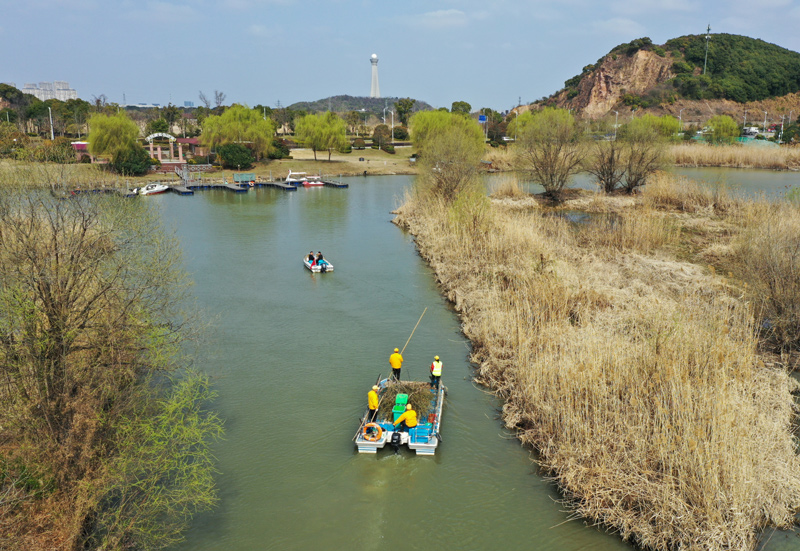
(205, 100)
(606, 163)
(219, 98)
(644, 155)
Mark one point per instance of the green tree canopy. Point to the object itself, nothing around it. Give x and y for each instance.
(321, 132)
(403, 108)
(239, 124)
(381, 136)
(723, 129)
(157, 125)
(450, 148)
(461, 107)
(111, 134)
(235, 155)
(548, 147)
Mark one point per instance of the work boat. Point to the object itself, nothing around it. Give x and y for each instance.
(394, 396)
(316, 268)
(152, 189)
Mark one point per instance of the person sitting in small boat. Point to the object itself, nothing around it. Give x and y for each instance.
(372, 403)
(321, 261)
(408, 420)
(311, 259)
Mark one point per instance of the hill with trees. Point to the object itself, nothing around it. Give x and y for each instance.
(642, 75)
(343, 104)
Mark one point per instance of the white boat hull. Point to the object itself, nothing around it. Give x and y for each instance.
(152, 189)
(316, 268)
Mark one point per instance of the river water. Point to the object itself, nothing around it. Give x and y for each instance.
(293, 355)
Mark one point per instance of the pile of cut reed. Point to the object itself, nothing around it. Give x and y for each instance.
(633, 374)
(419, 396)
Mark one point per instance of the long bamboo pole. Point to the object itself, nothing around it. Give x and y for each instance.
(412, 332)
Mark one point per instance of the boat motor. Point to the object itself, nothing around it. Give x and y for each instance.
(396, 441)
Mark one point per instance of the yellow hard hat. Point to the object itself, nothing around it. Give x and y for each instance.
(397, 350)
(408, 406)
(436, 358)
(376, 387)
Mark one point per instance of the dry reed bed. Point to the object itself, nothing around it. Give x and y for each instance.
(736, 156)
(634, 376)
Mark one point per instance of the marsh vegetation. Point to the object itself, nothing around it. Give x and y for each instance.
(643, 356)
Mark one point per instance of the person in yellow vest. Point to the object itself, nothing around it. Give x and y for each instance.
(436, 372)
(396, 361)
(408, 420)
(372, 404)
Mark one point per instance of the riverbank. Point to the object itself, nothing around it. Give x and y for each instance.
(629, 366)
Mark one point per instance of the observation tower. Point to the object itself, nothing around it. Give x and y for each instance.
(375, 91)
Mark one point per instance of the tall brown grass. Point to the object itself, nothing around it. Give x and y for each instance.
(736, 156)
(635, 376)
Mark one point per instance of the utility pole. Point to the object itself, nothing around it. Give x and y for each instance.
(52, 137)
(708, 35)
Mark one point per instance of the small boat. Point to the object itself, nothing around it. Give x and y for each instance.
(302, 178)
(313, 181)
(296, 178)
(423, 438)
(316, 268)
(152, 189)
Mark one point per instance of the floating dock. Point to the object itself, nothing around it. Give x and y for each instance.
(188, 185)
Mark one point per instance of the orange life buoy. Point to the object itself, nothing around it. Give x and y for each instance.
(372, 436)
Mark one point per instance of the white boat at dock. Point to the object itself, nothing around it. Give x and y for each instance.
(303, 179)
(151, 189)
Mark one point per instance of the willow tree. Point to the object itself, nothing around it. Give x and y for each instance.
(110, 135)
(116, 136)
(105, 441)
(548, 148)
(450, 147)
(724, 130)
(321, 132)
(242, 125)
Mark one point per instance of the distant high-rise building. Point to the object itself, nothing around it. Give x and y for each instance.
(375, 90)
(188, 104)
(59, 90)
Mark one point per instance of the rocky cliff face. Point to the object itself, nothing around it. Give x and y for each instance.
(604, 87)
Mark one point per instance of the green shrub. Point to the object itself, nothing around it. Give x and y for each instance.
(400, 133)
(234, 155)
(134, 161)
(359, 143)
(388, 148)
(280, 149)
(346, 148)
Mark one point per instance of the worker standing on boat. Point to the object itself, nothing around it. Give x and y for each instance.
(436, 372)
(408, 420)
(396, 361)
(372, 404)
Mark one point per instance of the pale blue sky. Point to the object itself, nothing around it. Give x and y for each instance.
(488, 52)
